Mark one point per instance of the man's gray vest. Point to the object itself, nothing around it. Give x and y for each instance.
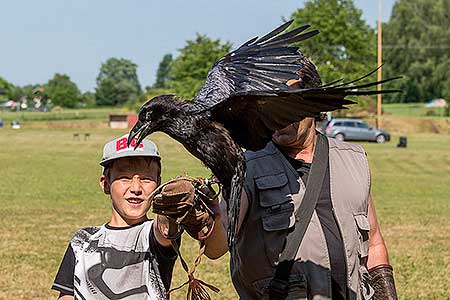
(275, 191)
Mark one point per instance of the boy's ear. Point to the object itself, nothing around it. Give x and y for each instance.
(104, 185)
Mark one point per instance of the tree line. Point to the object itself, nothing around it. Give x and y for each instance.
(416, 42)
(117, 84)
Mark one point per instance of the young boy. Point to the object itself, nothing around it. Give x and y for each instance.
(127, 258)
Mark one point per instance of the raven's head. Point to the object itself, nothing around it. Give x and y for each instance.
(153, 116)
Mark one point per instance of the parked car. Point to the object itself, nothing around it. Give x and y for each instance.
(1, 123)
(354, 129)
(15, 125)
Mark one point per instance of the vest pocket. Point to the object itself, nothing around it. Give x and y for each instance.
(273, 189)
(277, 213)
(362, 223)
(276, 224)
(363, 226)
(297, 287)
(278, 218)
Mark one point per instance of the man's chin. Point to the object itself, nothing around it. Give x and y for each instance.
(283, 141)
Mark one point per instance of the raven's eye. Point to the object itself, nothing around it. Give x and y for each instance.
(148, 115)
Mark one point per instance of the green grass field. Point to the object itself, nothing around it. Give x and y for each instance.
(49, 188)
(61, 115)
(413, 110)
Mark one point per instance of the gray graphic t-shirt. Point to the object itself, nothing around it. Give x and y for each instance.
(116, 263)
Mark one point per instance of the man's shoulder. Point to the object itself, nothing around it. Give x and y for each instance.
(345, 146)
(269, 149)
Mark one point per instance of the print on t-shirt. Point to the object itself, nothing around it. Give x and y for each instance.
(112, 263)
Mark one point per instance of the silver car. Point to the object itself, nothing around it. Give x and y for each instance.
(354, 129)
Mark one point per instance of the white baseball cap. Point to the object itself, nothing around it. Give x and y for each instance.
(118, 148)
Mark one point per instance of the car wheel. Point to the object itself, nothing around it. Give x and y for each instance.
(380, 139)
(339, 137)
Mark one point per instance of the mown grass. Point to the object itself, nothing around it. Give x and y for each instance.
(61, 114)
(49, 189)
(414, 110)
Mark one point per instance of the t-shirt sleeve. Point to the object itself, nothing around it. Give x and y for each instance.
(64, 278)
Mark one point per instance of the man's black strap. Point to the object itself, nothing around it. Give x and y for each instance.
(278, 288)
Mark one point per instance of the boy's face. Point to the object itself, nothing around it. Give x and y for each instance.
(130, 182)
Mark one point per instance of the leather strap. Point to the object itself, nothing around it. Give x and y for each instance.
(279, 285)
(382, 281)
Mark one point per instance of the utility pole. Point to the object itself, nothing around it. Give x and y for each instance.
(380, 61)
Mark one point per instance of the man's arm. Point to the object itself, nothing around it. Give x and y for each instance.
(216, 244)
(382, 279)
(378, 254)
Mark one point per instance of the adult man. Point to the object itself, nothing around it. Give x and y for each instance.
(342, 240)
(127, 258)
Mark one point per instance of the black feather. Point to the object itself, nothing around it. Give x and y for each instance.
(243, 101)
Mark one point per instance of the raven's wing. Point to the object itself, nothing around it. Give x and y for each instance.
(252, 119)
(261, 65)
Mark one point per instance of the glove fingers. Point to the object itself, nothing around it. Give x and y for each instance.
(183, 200)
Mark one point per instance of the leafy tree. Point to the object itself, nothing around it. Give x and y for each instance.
(162, 75)
(188, 71)
(5, 89)
(416, 43)
(345, 46)
(150, 92)
(16, 93)
(117, 82)
(62, 91)
(88, 99)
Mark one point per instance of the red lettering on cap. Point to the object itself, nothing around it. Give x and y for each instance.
(122, 144)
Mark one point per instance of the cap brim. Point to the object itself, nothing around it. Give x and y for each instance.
(105, 162)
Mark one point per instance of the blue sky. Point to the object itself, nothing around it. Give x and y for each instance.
(41, 38)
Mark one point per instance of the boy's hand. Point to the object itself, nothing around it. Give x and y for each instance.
(186, 203)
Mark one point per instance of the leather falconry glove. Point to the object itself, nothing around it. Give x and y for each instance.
(382, 281)
(181, 204)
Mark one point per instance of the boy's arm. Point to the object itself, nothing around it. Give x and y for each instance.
(63, 296)
(157, 227)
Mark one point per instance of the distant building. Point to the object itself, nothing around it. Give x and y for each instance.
(437, 103)
(122, 121)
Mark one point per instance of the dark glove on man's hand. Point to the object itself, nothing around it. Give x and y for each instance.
(382, 281)
(182, 202)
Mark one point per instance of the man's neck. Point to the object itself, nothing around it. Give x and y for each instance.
(304, 149)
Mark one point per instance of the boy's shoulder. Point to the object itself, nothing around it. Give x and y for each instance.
(84, 235)
(85, 232)
(89, 234)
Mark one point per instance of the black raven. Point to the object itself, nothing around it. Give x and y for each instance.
(242, 102)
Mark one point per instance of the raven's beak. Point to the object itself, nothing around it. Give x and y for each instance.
(140, 130)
